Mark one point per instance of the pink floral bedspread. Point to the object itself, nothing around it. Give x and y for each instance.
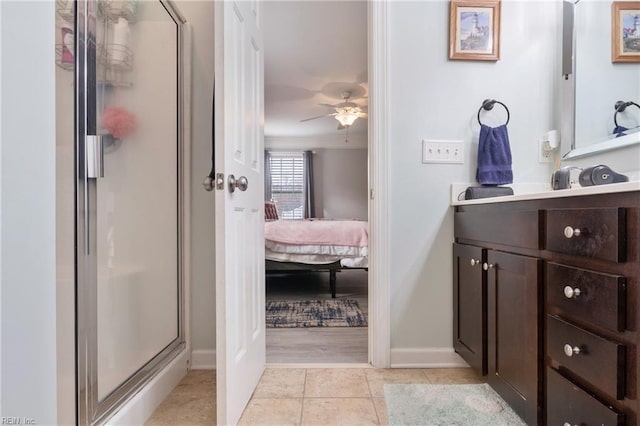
(318, 232)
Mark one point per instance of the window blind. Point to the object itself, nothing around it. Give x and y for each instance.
(287, 183)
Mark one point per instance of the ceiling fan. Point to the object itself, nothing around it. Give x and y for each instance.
(347, 112)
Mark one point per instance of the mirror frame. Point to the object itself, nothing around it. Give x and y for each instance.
(568, 147)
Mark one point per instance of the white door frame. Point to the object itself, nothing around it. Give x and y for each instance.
(379, 277)
(379, 261)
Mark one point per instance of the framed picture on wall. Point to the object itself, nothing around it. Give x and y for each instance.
(625, 31)
(474, 30)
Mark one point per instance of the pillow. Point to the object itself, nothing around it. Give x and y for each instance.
(270, 211)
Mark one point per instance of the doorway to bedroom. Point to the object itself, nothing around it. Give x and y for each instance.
(316, 182)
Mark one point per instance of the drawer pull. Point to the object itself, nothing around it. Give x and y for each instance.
(571, 350)
(571, 293)
(474, 262)
(487, 266)
(568, 424)
(570, 232)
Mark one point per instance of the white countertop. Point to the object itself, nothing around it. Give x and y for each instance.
(535, 191)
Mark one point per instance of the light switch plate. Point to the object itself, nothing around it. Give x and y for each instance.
(438, 151)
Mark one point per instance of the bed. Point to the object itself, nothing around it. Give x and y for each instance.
(316, 245)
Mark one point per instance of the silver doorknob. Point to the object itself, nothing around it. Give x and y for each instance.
(474, 262)
(571, 293)
(571, 350)
(487, 266)
(570, 232)
(208, 184)
(241, 183)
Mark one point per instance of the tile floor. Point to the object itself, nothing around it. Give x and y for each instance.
(299, 396)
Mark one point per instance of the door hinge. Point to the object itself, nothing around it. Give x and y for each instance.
(371, 194)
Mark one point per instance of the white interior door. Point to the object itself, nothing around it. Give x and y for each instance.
(239, 221)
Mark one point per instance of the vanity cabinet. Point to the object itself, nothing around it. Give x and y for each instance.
(513, 331)
(470, 309)
(496, 303)
(551, 319)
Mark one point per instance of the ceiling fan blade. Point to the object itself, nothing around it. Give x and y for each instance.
(319, 116)
(362, 115)
(340, 126)
(328, 105)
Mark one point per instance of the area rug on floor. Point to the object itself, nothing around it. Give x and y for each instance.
(472, 405)
(314, 313)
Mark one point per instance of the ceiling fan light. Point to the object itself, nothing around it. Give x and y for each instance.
(346, 118)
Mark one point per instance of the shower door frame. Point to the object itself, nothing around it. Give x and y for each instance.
(89, 410)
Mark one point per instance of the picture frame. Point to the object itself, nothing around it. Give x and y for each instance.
(474, 30)
(625, 31)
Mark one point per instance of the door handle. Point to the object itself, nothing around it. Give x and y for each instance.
(95, 156)
(241, 183)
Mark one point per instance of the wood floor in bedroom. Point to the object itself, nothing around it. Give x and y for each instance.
(318, 344)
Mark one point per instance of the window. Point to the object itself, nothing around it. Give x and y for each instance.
(287, 183)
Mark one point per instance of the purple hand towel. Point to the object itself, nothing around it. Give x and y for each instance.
(494, 156)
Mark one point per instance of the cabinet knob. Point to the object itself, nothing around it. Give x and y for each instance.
(474, 262)
(571, 350)
(487, 266)
(570, 232)
(571, 293)
(568, 424)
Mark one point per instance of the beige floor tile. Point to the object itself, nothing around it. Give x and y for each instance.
(272, 411)
(381, 411)
(378, 377)
(447, 376)
(339, 411)
(281, 383)
(336, 383)
(197, 381)
(185, 409)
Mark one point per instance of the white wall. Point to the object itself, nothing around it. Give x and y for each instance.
(199, 14)
(432, 97)
(27, 152)
(340, 183)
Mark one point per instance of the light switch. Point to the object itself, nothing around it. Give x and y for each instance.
(438, 151)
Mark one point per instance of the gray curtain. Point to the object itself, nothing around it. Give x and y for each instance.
(309, 203)
(267, 175)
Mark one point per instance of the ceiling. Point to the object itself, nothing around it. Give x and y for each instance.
(314, 51)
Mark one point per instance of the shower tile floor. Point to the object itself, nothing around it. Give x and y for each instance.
(301, 396)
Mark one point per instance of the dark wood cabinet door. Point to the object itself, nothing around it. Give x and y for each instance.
(514, 321)
(469, 307)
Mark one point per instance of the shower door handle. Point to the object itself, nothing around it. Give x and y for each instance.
(95, 156)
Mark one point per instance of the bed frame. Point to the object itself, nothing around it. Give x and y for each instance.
(332, 268)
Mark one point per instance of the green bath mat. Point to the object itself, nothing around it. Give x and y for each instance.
(430, 405)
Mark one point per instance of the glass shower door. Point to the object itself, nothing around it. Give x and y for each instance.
(131, 300)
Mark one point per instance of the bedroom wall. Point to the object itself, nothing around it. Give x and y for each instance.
(432, 97)
(340, 183)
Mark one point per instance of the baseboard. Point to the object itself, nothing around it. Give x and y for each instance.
(426, 358)
(318, 365)
(138, 410)
(203, 359)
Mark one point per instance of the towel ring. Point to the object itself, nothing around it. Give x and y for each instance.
(488, 104)
(620, 106)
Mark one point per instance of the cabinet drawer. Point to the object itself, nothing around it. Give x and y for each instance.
(599, 361)
(512, 228)
(590, 296)
(593, 233)
(568, 404)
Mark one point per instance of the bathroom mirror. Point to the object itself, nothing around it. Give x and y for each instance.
(596, 83)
